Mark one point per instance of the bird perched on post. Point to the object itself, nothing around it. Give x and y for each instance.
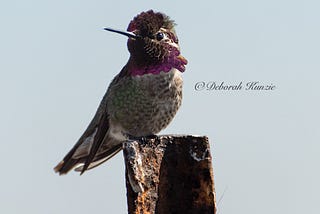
(141, 100)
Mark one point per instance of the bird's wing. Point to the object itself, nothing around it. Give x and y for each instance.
(84, 151)
(86, 154)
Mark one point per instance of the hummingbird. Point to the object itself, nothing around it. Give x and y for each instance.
(141, 100)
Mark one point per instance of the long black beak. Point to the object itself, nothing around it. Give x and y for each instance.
(128, 34)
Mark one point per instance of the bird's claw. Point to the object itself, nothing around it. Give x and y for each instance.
(144, 139)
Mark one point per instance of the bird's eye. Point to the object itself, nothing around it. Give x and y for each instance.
(159, 36)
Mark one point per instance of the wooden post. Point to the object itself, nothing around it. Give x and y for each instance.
(169, 175)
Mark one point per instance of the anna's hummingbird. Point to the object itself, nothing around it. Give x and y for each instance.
(141, 100)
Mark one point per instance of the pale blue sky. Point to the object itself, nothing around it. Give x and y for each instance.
(57, 61)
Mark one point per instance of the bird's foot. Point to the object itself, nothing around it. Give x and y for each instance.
(144, 139)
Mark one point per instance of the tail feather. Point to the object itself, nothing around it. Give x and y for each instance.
(101, 158)
(64, 167)
(68, 162)
(72, 161)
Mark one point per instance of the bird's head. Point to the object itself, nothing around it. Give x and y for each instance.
(153, 44)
